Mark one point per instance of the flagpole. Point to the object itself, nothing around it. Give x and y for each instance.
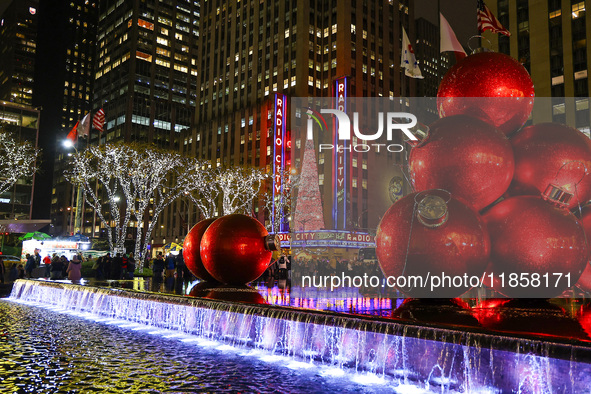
(439, 43)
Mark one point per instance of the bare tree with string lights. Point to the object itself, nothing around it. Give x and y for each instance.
(158, 178)
(17, 160)
(205, 189)
(240, 187)
(108, 166)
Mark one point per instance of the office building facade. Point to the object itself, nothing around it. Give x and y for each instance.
(550, 38)
(18, 46)
(22, 123)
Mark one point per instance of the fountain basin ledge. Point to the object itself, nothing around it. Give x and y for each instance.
(463, 360)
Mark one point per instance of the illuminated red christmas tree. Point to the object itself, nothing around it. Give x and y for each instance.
(308, 212)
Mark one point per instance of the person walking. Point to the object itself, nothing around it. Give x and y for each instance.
(74, 269)
(180, 265)
(29, 265)
(107, 265)
(65, 264)
(116, 264)
(57, 268)
(158, 266)
(123, 274)
(130, 266)
(47, 262)
(170, 265)
(37, 257)
(2, 270)
(100, 268)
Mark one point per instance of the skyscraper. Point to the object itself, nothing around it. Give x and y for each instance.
(146, 69)
(433, 63)
(549, 37)
(73, 29)
(18, 43)
(145, 76)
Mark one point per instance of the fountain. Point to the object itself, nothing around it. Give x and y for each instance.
(432, 356)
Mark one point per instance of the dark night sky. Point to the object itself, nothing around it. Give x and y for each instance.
(3, 5)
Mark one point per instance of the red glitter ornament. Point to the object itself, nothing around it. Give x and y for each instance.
(432, 233)
(533, 242)
(236, 249)
(503, 86)
(584, 282)
(465, 156)
(528, 317)
(584, 318)
(552, 154)
(191, 250)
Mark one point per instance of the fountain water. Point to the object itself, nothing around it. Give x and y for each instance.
(429, 357)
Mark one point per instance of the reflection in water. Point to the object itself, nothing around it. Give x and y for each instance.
(46, 352)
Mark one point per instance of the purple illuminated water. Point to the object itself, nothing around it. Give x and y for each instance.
(397, 356)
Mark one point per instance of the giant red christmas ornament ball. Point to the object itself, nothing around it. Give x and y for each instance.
(532, 238)
(552, 154)
(236, 249)
(489, 85)
(584, 282)
(431, 233)
(191, 250)
(466, 156)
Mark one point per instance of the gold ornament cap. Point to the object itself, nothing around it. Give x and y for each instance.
(557, 195)
(432, 211)
(272, 242)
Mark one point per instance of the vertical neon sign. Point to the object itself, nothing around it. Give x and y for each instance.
(340, 165)
(279, 158)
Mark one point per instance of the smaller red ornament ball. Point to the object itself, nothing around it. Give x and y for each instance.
(431, 233)
(465, 156)
(191, 250)
(584, 282)
(489, 85)
(552, 154)
(533, 242)
(236, 249)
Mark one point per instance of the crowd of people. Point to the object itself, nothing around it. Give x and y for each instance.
(56, 267)
(170, 266)
(279, 269)
(122, 266)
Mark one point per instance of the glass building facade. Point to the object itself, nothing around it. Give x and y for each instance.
(22, 123)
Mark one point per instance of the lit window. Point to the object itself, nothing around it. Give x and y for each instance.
(578, 9)
(145, 24)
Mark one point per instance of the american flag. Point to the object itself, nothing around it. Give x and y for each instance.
(98, 121)
(487, 21)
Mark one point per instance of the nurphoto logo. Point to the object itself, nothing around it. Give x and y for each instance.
(386, 121)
